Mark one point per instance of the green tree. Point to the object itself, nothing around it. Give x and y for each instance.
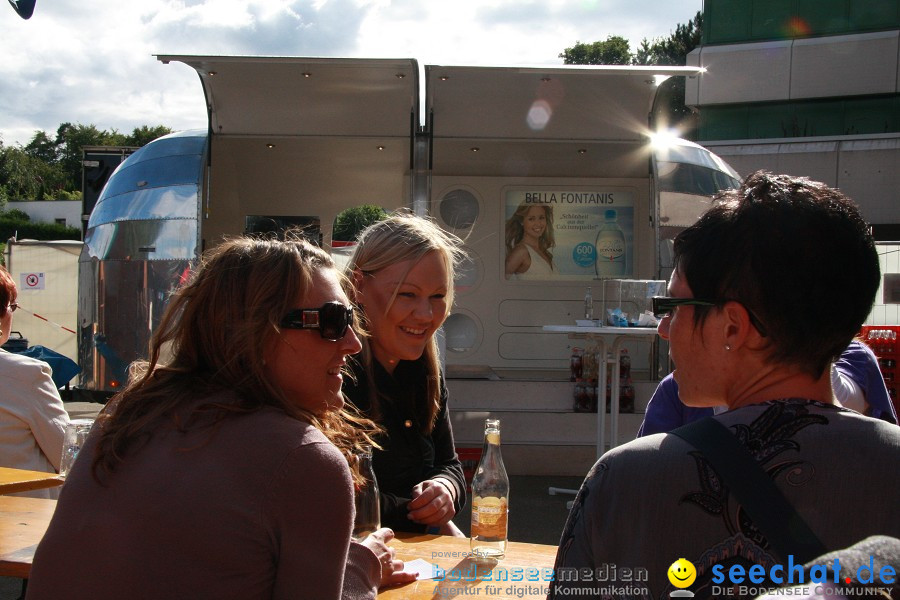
(23, 177)
(49, 167)
(672, 50)
(70, 139)
(353, 220)
(670, 110)
(615, 50)
(141, 136)
(42, 147)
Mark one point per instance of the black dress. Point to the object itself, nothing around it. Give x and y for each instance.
(408, 456)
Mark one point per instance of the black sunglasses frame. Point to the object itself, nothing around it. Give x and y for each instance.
(332, 319)
(664, 305)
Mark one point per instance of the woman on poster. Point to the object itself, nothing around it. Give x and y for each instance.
(529, 238)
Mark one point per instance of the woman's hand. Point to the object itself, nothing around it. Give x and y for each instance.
(391, 567)
(432, 503)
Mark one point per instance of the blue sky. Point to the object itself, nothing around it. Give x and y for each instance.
(92, 62)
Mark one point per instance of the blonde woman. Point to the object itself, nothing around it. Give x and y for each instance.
(224, 472)
(402, 282)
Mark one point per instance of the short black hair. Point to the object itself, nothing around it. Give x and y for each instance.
(796, 253)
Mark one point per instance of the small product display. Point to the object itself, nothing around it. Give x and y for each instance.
(584, 395)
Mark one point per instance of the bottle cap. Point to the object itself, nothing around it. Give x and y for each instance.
(610, 213)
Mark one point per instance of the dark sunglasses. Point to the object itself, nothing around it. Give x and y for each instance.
(332, 320)
(663, 306)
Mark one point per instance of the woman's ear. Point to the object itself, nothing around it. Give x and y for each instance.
(736, 323)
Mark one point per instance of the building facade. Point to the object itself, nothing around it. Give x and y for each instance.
(61, 212)
(808, 88)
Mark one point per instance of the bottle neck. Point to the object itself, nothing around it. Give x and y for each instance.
(491, 444)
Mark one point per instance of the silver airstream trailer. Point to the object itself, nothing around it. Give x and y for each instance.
(298, 140)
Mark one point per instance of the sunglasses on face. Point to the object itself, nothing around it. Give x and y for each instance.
(332, 320)
(663, 306)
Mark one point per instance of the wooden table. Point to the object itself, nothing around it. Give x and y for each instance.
(466, 577)
(20, 480)
(23, 522)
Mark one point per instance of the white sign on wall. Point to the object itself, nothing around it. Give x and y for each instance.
(31, 281)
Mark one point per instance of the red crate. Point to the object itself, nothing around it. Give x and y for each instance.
(884, 340)
(469, 457)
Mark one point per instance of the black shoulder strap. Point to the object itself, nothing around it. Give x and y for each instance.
(783, 527)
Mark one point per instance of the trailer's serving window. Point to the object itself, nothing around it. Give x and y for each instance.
(577, 233)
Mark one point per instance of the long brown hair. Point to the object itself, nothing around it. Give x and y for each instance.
(402, 237)
(213, 335)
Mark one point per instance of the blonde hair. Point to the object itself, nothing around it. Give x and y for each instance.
(402, 237)
(215, 331)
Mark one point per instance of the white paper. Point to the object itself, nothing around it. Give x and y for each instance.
(421, 567)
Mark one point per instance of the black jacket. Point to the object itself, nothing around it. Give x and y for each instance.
(408, 456)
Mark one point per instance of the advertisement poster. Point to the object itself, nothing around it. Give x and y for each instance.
(568, 234)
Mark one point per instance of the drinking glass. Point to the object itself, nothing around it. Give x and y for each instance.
(368, 509)
(76, 433)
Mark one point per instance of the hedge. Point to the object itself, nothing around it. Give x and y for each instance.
(36, 231)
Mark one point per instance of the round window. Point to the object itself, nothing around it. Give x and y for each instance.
(459, 209)
(462, 333)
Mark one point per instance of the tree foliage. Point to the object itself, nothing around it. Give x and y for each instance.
(670, 110)
(350, 222)
(615, 50)
(49, 167)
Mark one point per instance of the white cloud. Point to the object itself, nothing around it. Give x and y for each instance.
(93, 63)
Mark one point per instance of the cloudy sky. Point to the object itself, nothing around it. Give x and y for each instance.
(93, 62)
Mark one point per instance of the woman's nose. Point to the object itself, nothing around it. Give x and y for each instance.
(424, 309)
(663, 328)
(351, 342)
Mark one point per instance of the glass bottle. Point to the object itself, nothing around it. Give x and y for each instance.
(368, 508)
(490, 498)
(610, 246)
(588, 305)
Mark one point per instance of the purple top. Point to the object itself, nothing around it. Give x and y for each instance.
(666, 412)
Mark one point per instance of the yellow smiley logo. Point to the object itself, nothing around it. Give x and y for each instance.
(682, 573)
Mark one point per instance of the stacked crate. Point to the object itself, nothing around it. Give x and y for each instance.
(882, 339)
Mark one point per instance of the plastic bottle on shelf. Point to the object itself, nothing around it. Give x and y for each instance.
(588, 305)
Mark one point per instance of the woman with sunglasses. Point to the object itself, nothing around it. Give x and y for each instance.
(222, 471)
(402, 274)
(770, 286)
(32, 416)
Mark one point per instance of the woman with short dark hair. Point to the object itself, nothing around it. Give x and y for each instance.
(770, 286)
